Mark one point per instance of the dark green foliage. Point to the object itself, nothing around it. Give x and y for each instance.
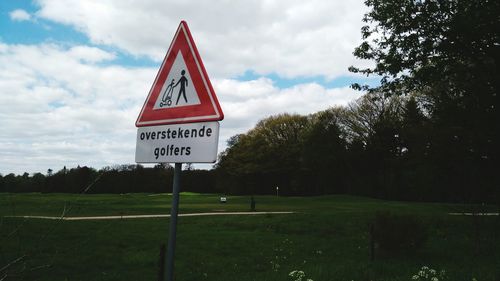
(119, 179)
(418, 44)
(267, 156)
(398, 233)
(325, 155)
(447, 52)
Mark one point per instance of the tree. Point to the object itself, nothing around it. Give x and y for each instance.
(418, 172)
(38, 181)
(417, 43)
(266, 156)
(447, 51)
(414, 123)
(325, 153)
(371, 126)
(11, 183)
(360, 117)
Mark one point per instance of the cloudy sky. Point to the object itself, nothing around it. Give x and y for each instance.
(74, 74)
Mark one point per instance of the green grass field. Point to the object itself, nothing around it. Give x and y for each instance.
(327, 238)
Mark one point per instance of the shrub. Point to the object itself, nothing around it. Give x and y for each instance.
(399, 233)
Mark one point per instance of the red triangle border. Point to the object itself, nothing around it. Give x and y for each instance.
(209, 108)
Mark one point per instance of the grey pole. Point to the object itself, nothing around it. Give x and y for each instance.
(173, 222)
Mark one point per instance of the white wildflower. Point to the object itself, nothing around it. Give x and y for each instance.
(297, 275)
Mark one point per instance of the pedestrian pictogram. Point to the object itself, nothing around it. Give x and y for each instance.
(181, 92)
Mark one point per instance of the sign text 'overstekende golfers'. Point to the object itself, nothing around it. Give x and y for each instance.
(186, 143)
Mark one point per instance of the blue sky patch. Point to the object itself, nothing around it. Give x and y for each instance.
(280, 82)
(35, 30)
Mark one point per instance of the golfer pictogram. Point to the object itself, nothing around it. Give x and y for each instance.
(178, 88)
(166, 99)
(184, 83)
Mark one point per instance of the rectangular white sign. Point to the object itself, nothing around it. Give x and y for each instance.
(179, 143)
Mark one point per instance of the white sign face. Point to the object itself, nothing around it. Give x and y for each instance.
(180, 143)
(178, 89)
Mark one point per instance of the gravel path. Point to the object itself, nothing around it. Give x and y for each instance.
(148, 216)
(473, 214)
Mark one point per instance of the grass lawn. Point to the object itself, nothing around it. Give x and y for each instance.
(327, 238)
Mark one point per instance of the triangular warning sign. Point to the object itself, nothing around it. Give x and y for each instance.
(181, 92)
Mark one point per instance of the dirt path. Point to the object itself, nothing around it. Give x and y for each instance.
(148, 216)
(473, 214)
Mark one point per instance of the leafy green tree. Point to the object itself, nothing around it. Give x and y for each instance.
(447, 51)
(284, 135)
(414, 126)
(416, 44)
(371, 126)
(267, 156)
(325, 153)
(11, 182)
(361, 116)
(418, 171)
(38, 182)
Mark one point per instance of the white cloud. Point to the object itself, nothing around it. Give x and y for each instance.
(245, 103)
(90, 54)
(60, 107)
(19, 15)
(293, 38)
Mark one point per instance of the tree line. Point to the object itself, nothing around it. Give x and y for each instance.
(380, 147)
(117, 179)
(377, 146)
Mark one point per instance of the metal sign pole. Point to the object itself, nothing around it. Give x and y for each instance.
(173, 222)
